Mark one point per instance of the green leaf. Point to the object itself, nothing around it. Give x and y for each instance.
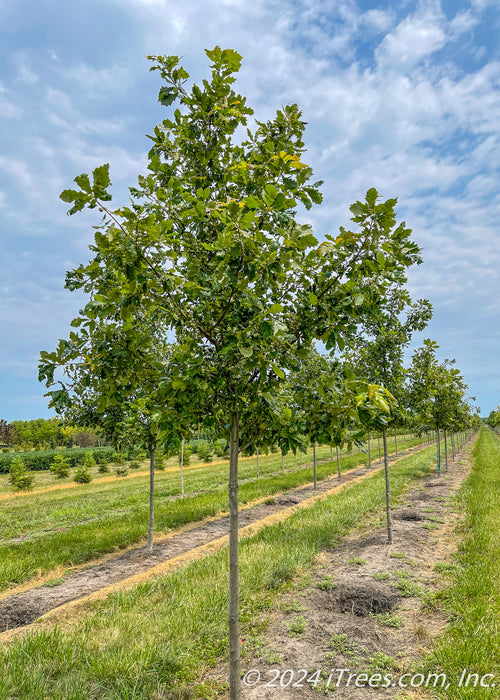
(267, 330)
(357, 209)
(371, 196)
(178, 384)
(166, 96)
(275, 309)
(246, 352)
(69, 195)
(83, 182)
(101, 177)
(277, 370)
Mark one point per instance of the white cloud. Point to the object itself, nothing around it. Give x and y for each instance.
(383, 107)
(378, 20)
(416, 37)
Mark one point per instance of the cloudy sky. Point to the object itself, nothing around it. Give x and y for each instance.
(402, 96)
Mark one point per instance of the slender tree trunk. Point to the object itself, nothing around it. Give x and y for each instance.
(182, 467)
(445, 452)
(234, 585)
(331, 452)
(369, 456)
(338, 464)
(438, 450)
(396, 440)
(387, 488)
(151, 523)
(452, 447)
(314, 465)
(282, 461)
(258, 463)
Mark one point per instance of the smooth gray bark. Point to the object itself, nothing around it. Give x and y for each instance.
(338, 464)
(234, 583)
(387, 489)
(445, 452)
(438, 448)
(314, 465)
(151, 523)
(182, 467)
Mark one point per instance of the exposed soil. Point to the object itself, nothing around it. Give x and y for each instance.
(328, 620)
(25, 607)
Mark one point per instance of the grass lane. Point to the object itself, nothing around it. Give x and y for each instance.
(472, 640)
(119, 516)
(152, 640)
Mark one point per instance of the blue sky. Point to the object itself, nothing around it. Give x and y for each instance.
(403, 96)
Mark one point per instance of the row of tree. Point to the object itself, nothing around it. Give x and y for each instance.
(208, 296)
(493, 419)
(43, 433)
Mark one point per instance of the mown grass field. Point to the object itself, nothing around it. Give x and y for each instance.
(41, 532)
(163, 635)
(472, 600)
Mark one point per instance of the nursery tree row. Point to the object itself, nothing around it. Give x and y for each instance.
(208, 294)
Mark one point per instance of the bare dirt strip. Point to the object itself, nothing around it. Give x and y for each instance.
(135, 565)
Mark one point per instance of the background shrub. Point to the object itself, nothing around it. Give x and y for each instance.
(221, 448)
(60, 467)
(42, 459)
(83, 475)
(159, 463)
(204, 452)
(19, 478)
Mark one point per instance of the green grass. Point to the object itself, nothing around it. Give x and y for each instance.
(163, 634)
(72, 527)
(472, 640)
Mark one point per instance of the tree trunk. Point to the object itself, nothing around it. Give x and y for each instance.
(257, 462)
(151, 523)
(369, 456)
(452, 447)
(438, 450)
(396, 441)
(282, 461)
(314, 465)
(445, 452)
(387, 488)
(182, 468)
(234, 585)
(338, 464)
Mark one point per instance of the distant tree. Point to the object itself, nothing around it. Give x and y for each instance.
(438, 394)
(6, 430)
(377, 353)
(85, 438)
